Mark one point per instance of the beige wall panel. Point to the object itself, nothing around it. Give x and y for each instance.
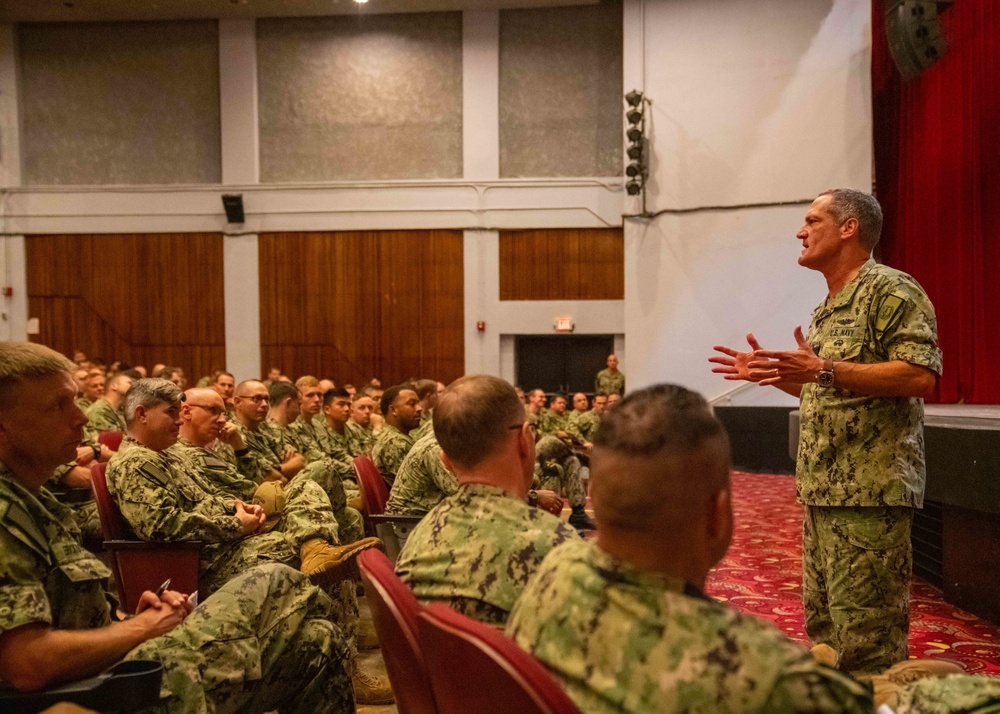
(561, 91)
(372, 97)
(120, 103)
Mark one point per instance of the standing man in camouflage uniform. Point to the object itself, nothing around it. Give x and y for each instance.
(870, 358)
(401, 409)
(610, 380)
(55, 618)
(106, 413)
(476, 549)
(624, 623)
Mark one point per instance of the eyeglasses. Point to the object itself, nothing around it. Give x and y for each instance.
(214, 411)
(259, 399)
(532, 427)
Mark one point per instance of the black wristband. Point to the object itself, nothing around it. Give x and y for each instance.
(240, 453)
(97, 451)
(532, 497)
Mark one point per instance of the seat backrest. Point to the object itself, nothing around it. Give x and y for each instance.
(374, 493)
(395, 611)
(113, 525)
(110, 439)
(474, 668)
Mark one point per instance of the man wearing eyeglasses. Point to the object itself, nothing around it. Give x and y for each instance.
(477, 548)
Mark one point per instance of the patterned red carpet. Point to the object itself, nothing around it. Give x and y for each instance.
(761, 574)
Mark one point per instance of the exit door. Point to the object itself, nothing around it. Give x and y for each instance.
(562, 364)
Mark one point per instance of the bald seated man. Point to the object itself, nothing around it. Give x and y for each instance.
(624, 623)
(476, 549)
(55, 616)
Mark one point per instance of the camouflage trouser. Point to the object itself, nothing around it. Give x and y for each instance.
(966, 693)
(262, 642)
(856, 568)
(306, 513)
(564, 479)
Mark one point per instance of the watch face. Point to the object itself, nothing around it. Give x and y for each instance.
(825, 379)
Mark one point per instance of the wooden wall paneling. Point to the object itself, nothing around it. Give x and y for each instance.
(140, 298)
(367, 303)
(562, 264)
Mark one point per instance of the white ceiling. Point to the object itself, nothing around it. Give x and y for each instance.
(104, 10)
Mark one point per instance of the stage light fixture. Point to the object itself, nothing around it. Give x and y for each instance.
(637, 169)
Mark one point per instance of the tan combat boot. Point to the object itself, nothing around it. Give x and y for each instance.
(825, 654)
(325, 563)
(369, 689)
(367, 638)
(886, 686)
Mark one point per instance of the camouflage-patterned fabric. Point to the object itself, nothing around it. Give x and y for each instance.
(426, 426)
(161, 502)
(211, 473)
(303, 436)
(866, 453)
(621, 640)
(359, 439)
(102, 416)
(390, 448)
(558, 469)
(422, 481)
(476, 550)
(955, 694)
(856, 450)
(608, 383)
(583, 425)
(307, 505)
(84, 511)
(337, 447)
(856, 568)
(263, 455)
(84, 403)
(261, 643)
(550, 423)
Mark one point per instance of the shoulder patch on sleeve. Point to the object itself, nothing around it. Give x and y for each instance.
(888, 311)
(155, 472)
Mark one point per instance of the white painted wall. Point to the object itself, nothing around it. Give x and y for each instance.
(763, 102)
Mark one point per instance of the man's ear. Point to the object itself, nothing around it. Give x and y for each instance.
(849, 228)
(720, 523)
(140, 412)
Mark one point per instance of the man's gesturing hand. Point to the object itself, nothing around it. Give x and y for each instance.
(735, 365)
(774, 367)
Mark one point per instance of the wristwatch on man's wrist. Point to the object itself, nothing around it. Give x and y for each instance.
(825, 376)
(532, 497)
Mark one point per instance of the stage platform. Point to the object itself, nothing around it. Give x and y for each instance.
(956, 536)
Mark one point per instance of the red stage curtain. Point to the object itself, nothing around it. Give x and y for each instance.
(937, 175)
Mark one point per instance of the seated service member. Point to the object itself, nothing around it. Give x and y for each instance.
(623, 622)
(55, 616)
(401, 409)
(422, 482)
(476, 549)
(162, 501)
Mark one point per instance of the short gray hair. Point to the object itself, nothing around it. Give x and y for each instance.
(26, 360)
(149, 393)
(848, 203)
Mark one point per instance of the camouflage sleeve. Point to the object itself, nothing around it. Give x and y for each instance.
(442, 477)
(153, 511)
(573, 428)
(22, 595)
(906, 327)
(807, 686)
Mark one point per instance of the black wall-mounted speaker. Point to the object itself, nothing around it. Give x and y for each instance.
(914, 34)
(233, 203)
